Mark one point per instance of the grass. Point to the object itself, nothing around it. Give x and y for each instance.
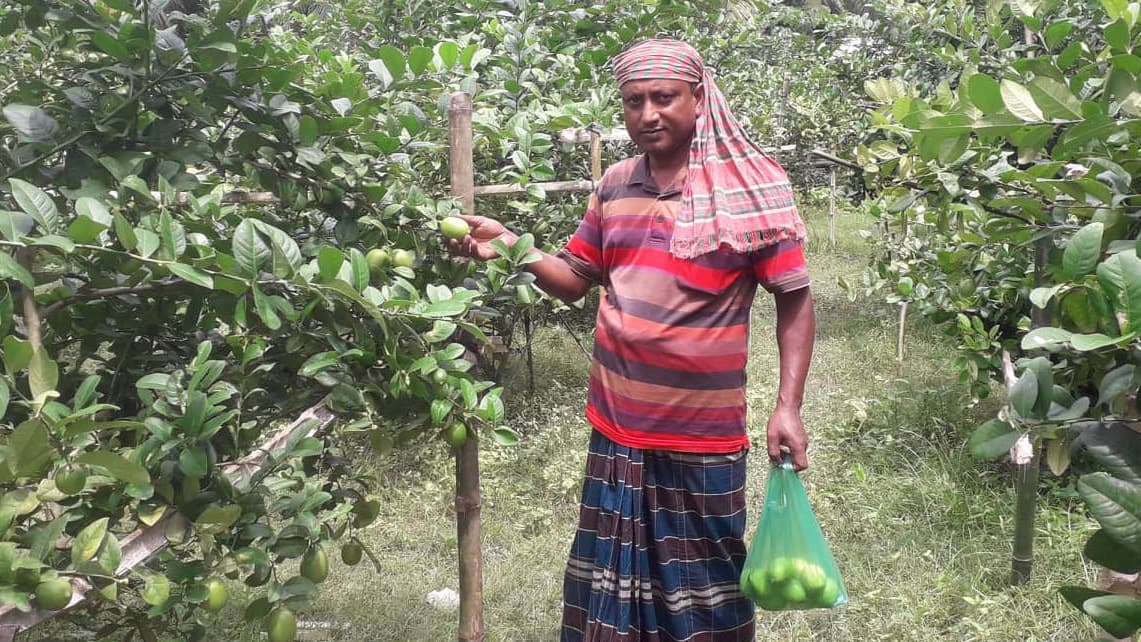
(920, 530)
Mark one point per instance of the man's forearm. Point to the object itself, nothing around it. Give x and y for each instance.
(796, 334)
(557, 279)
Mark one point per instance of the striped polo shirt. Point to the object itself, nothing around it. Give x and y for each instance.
(672, 335)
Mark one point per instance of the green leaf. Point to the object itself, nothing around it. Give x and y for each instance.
(1112, 554)
(119, 467)
(85, 230)
(1095, 128)
(192, 462)
(172, 236)
(156, 588)
(1131, 289)
(504, 436)
(1117, 34)
(29, 450)
(393, 60)
(1115, 9)
(329, 261)
(5, 394)
(985, 94)
(1082, 252)
(15, 225)
(37, 204)
(1115, 383)
(419, 59)
(192, 275)
(1058, 456)
(250, 251)
(149, 242)
(217, 515)
(1020, 102)
(125, 233)
(446, 308)
(1115, 504)
(317, 363)
(87, 543)
(1057, 32)
(32, 124)
(17, 354)
(1024, 394)
(992, 440)
(1055, 99)
(439, 411)
(359, 266)
(265, 310)
(1095, 341)
(1119, 615)
(43, 373)
(284, 244)
(10, 269)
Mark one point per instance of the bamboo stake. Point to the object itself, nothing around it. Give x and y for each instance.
(595, 156)
(516, 188)
(467, 456)
(1026, 476)
(832, 209)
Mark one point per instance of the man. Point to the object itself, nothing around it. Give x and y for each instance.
(679, 238)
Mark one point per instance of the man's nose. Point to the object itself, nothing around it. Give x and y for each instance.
(650, 112)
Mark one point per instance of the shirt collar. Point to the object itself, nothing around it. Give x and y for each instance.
(641, 176)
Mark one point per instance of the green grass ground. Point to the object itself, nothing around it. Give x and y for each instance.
(920, 531)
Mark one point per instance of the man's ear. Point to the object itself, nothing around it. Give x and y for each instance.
(699, 96)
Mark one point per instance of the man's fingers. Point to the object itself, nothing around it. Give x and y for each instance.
(799, 458)
(774, 446)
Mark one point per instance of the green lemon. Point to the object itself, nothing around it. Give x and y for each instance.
(771, 602)
(351, 553)
(829, 594)
(745, 585)
(454, 227)
(780, 570)
(813, 578)
(216, 595)
(403, 258)
(71, 480)
(315, 565)
(524, 295)
(281, 625)
(440, 376)
(457, 434)
(53, 595)
(759, 585)
(794, 592)
(377, 259)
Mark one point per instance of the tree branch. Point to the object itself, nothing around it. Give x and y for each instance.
(107, 293)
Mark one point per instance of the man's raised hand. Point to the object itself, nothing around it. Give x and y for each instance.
(477, 244)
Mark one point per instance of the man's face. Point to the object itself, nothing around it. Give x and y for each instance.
(660, 114)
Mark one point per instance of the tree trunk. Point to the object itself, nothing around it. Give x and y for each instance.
(467, 456)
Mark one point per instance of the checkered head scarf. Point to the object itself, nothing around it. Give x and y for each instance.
(735, 195)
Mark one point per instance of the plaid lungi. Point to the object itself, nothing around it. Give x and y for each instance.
(659, 548)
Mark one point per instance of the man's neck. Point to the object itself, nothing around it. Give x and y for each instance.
(667, 171)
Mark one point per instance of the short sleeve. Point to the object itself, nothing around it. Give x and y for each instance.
(780, 267)
(583, 253)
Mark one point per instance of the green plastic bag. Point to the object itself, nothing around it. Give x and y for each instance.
(789, 565)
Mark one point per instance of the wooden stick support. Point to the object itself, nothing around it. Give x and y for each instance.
(471, 627)
(832, 208)
(516, 188)
(595, 156)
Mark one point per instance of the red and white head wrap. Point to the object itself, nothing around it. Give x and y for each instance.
(735, 195)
